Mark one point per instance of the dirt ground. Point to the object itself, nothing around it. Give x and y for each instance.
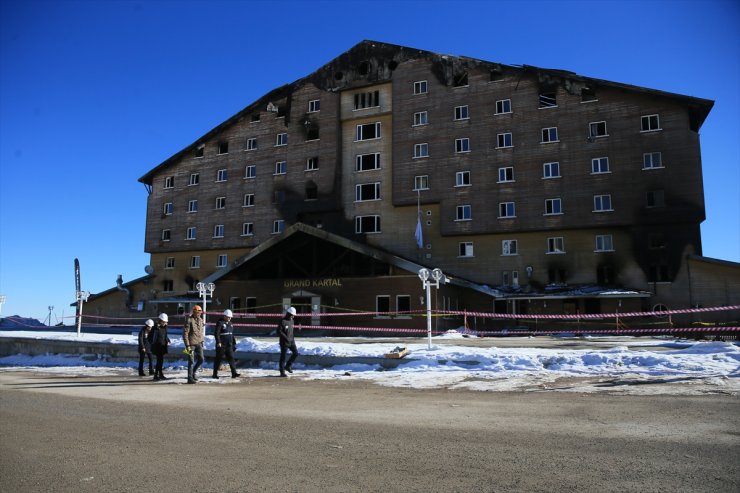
(121, 433)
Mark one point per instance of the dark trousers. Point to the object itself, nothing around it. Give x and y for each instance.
(224, 352)
(195, 360)
(160, 364)
(283, 352)
(143, 355)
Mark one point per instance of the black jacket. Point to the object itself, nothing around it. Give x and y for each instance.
(285, 331)
(225, 334)
(144, 344)
(160, 341)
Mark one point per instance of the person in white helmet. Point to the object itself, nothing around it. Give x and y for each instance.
(145, 347)
(287, 341)
(160, 342)
(225, 344)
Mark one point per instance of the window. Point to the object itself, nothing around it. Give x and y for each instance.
(191, 233)
(421, 118)
(250, 171)
(650, 123)
(656, 198)
(223, 147)
(462, 179)
(281, 140)
(312, 133)
(200, 151)
(588, 94)
(312, 163)
(506, 209)
(600, 165)
(221, 175)
(553, 206)
(368, 131)
(367, 191)
(248, 229)
(367, 224)
(602, 203)
(504, 140)
(551, 170)
(278, 226)
(168, 209)
(281, 167)
(166, 235)
(604, 243)
(503, 106)
(656, 241)
(222, 260)
(169, 263)
(505, 174)
(421, 182)
(403, 303)
(220, 202)
(367, 100)
(367, 162)
(460, 79)
(168, 285)
(465, 249)
(248, 200)
(548, 100)
(549, 134)
(251, 306)
(382, 305)
(218, 231)
(597, 129)
(194, 179)
(278, 197)
(652, 160)
(193, 205)
(421, 150)
(195, 262)
(252, 143)
(555, 245)
(509, 247)
(169, 182)
(420, 87)
(312, 191)
(462, 145)
(314, 105)
(463, 213)
(461, 113)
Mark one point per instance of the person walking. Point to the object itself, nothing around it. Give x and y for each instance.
(160, 342)
(287, 341)
(145, 348)
(193, 335)
(225, 344)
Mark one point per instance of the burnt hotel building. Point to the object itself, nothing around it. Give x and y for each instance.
(534, 190)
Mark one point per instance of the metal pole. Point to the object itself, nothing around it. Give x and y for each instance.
(427, 284)
(79, 316)
(204, 311)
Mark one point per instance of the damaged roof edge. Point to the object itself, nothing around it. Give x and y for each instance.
(699, 106)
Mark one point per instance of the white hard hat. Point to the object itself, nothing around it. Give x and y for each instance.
(149, 323)
(292, 311)
(163, 317)
(227, 313)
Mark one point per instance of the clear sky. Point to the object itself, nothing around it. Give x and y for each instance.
(93, 94)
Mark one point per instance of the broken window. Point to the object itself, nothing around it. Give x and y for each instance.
(367, 100)
(368, 131)
(367, 162)
(496, 75)
(461, 79)
(367, 191)
(588, 94)
(367, 224)
(312, 191)
(255, 117)
(200, 151)
(597, 129)
(312, 132)
(656, 198)
(223, 147)
(548, 100)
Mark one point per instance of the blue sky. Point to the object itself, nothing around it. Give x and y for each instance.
(93, 94)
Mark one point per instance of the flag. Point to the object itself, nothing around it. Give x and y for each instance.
(418, 234)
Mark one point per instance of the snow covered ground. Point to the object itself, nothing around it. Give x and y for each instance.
(621, 365)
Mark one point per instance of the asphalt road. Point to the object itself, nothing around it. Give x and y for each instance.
(70, 433)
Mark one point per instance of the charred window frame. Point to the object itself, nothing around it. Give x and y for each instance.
(597, 130)
(364, 100)
(200, 151)
(655, 199)
(312, 191)
(548, 99)
(461, 79)
(588, 95)
(223, 147)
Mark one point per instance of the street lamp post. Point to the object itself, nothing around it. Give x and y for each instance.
(82, 297)
(436, 275)
(205, 290)
(50, 307)
(2, 302)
